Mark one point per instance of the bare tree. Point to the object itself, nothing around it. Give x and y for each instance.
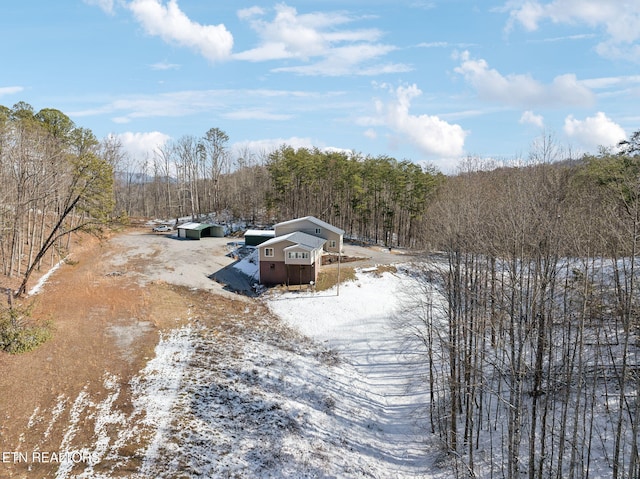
(216, 160)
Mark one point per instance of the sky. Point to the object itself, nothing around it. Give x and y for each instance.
(430, 81)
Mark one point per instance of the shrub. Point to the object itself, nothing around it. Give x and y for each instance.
(19, 333)
(327, 279)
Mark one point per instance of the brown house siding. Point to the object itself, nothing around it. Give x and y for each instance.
(302, 274)
(276, 272)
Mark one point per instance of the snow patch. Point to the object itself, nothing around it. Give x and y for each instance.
(45, 277)
(158, 389)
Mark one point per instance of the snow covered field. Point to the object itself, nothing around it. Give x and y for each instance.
(327, 398)
(375, 396)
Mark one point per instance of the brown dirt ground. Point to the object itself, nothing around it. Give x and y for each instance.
(103, 324)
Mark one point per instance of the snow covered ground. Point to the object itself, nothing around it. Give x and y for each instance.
(327, 398)
(324, 391)
(298, 385)
(358, 325)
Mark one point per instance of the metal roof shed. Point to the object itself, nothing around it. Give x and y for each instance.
(256, 237)
(200, 230)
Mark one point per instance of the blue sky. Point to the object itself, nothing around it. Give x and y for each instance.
(424, 80)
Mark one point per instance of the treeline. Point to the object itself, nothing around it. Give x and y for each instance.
(528, 318)
(377, 199)
(54, 182)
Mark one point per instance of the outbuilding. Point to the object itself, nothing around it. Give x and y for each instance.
(257, 237)
(200, 230)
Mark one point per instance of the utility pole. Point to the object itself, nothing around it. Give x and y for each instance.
(339, 258)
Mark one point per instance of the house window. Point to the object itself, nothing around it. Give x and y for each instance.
(332, 244)
(318, 231)
(269, 252)
(298, 255)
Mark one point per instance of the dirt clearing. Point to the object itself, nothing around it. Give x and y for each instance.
(108, 305)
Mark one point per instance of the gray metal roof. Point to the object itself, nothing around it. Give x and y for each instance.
(196, 226)
(265, 233)
(303, 239)
(313, 219)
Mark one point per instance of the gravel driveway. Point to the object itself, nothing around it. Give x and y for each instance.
(166, 258)
(377, 255)
(205, 264)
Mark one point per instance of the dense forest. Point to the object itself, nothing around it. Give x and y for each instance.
(54, 182)
(528, 316)
(527, 300)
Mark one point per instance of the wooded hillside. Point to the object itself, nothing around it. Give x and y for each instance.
(54, 182)
(528, 317)
(376, 199)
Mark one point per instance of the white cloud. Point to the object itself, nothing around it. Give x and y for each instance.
(248, 13)
(214, 42)
(172, 104)
(528, 15)
(611, 82)
(434, 45)
(532, 119)
(106, 6)
(565, 38)
(140, 145)
(616, 50)
(10, 90)
(342, 61)
(445, 45)
(316, 38)
(121, 120)
(594, 131)
(162, 66)
(289, 35)
(214, 102)
(256, 114)
(522, 90)
(434, 137)
(619, 20)
(371, 134)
